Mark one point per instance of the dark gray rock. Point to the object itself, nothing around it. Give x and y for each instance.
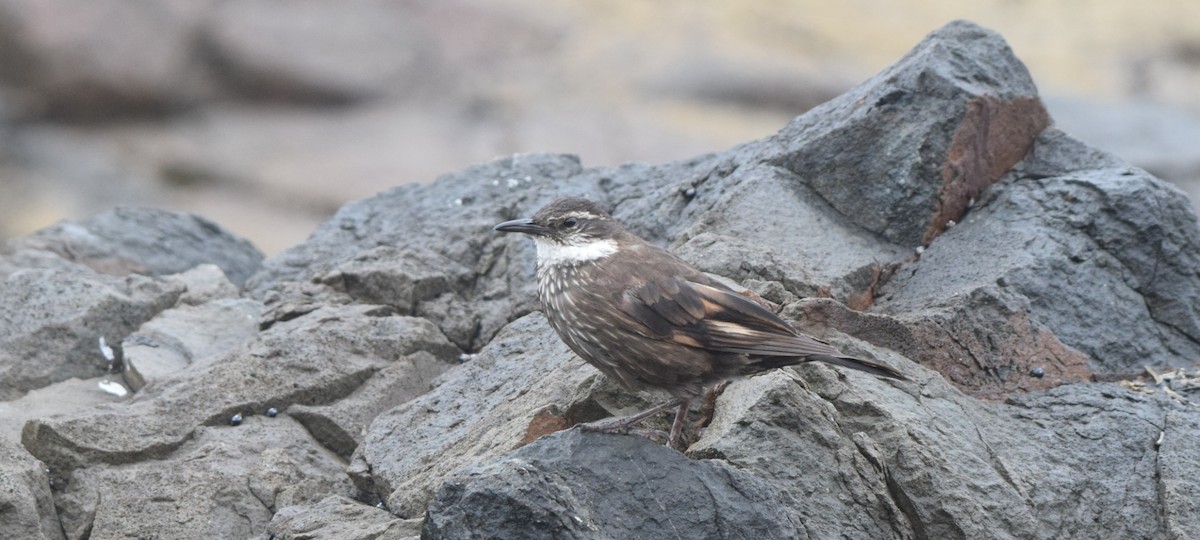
(138, 240)
(340, 426)
(315, 360)
(340, 518)
(584, 485)
(735, 238)
(176, 433)
(52, 323)
(904, 152)
(751, 218)
(811, 453)
(425, 250)
(225, 482)
(950, 154)
(1150, 135)
(60, 398)
(1175, 468)
(1080, 456)
(923, 460)
(26, 506)
(187, 337)
(1074, 240)
(203, 283)
(522, 385)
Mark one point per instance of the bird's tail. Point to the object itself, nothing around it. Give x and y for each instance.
(877, 369)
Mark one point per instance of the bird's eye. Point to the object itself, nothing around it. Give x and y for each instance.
(569, 222)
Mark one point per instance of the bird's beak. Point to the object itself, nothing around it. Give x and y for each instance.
(526, 226)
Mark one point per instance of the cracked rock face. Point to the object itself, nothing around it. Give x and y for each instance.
(625, 488)
(391, 377)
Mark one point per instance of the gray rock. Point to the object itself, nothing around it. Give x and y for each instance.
(142, 241)
(175, 434)
(187, 337)
(1175, 468)
(734, 237)
(425, 250)
(903, 153)
(1127, 242)
(583, 485)
(52, 323)
(340, 518)
(939, 158)
(225, 482)
(522, 385)
(203, 283)
(1099, 448)
(315, 360)
(26, 506)
(811, 453)
(340, 426)
(923, 460)
(1151, 136)
(986, 342)
(61, 398)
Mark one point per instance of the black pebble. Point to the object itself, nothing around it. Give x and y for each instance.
(1037, 372)
(272, 412)
(689, 193)
(236, 420)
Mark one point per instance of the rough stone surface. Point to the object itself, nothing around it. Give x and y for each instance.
(315, 360)
(340, 426)
(26, 505)
(187, 337)
(1176, 459)
(404, 335)
(967, 116)
(340, 518)
(52, 323)
(885, 451)
(233, 480)
(577, 485)
(484, 408)
(1150, 135)
(142, 241)
(56, 399)
(1126, 238)
(203, 283)
(371, 250)
(162, 432)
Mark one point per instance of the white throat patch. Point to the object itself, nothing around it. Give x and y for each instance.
(550, 253)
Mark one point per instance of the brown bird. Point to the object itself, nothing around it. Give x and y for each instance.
(648, 319)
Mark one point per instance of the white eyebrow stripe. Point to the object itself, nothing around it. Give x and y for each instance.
(585, 215)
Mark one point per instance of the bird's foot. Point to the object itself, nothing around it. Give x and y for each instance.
(625, 424)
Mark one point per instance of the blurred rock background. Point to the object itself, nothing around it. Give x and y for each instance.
(267, 115)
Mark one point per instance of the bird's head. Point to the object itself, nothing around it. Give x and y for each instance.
(569, 231)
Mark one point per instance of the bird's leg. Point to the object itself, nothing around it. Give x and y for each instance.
(624, 424)
(709, 406)
(676, 439)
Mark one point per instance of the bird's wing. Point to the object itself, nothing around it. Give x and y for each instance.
(708, 317)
